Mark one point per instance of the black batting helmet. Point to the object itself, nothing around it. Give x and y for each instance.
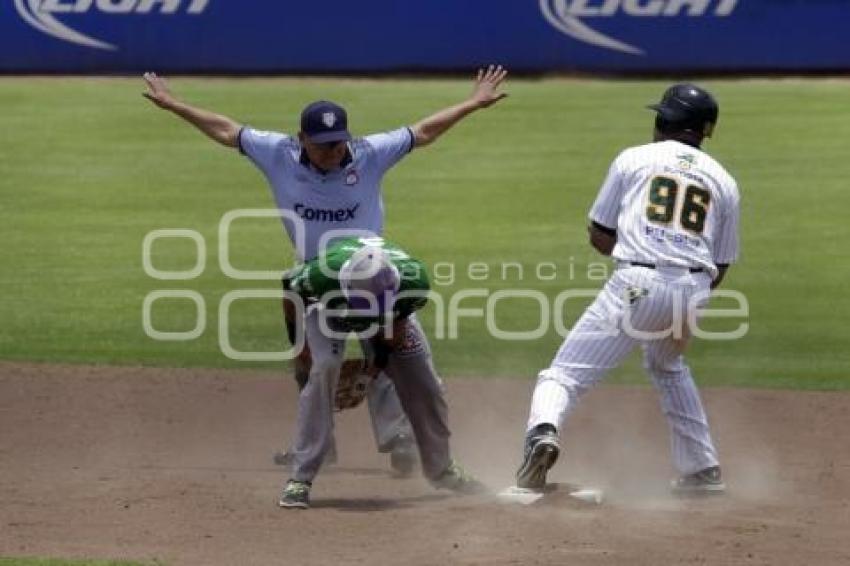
(686, 107)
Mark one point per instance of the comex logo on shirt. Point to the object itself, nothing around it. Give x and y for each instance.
(326, 214)
(41, 14)
(566, 16)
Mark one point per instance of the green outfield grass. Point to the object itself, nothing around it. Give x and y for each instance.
(89, 167)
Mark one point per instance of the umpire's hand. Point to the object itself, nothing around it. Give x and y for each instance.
(158, 92)
(486, 92)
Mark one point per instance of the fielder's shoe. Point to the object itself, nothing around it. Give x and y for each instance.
(403, 456)
(704, 482)
(541, 452)
(455, 478)
(296, 495)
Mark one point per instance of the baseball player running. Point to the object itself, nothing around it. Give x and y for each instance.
(332, 183)
(668, 214)
(358, 285)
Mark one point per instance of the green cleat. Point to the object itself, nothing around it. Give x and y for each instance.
(296, 495)
(455, 478)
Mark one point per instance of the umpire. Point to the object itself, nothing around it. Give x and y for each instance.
(331, 182)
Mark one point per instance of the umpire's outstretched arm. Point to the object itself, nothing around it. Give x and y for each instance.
(217, 127)
(484, 94)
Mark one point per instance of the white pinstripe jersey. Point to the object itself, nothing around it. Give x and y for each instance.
(671, 204)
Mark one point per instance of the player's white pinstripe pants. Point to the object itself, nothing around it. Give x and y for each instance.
(636, 302)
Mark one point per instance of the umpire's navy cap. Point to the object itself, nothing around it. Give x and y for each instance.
(324, 122)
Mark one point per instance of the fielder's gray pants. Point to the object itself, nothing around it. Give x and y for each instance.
(418, 387)
(386, 414)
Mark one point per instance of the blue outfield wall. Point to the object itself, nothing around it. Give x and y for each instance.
(303, 36)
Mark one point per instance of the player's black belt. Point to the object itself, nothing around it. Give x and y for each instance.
(653, 266)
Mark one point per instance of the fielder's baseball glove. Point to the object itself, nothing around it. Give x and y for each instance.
(353, 382)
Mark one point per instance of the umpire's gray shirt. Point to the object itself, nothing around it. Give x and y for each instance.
(321, 207)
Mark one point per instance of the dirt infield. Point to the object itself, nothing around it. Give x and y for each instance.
(174, 466)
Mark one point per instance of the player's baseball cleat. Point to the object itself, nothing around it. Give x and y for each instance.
(541, 452)
(296, 495)
(704, 482)
(455, 478)
(403, 456)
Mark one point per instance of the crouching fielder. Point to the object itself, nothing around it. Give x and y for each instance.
(371, 288)
(668, 215)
